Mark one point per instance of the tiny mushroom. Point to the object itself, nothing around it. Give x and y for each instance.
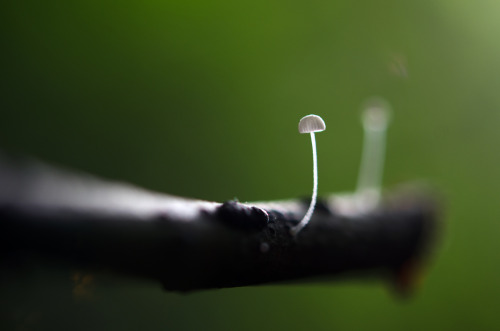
(375, 119)
(310, 124)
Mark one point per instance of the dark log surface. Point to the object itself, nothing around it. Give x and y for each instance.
(186, 244)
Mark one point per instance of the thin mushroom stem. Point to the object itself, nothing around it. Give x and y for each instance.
(307, 217)
(375, 122)
(372, 162)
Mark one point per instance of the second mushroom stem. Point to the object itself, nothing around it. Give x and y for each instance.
(375, 120)
(372, 162)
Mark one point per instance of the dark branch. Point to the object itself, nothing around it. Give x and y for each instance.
(191, 244)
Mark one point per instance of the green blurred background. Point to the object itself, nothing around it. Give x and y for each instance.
(202, 99)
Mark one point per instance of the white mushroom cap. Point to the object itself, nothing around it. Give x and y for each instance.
(311, 123)
(377, 114)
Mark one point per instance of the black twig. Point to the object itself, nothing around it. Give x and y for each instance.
(192, 244)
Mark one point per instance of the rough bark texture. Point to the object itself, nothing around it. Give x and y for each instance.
(189, 244)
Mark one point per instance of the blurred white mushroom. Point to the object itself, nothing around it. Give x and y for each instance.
(375, 119)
